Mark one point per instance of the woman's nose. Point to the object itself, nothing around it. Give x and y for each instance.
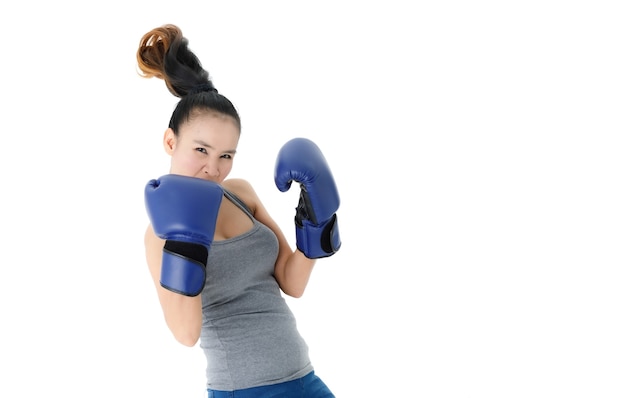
(211, 169)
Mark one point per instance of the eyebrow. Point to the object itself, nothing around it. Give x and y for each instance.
(200, 142)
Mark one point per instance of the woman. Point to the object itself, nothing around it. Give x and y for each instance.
(218, 260)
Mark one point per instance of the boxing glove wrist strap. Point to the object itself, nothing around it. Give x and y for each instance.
(318, 240)
(193, 251)
(183, 269)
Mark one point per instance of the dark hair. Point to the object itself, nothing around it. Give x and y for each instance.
(164, 53)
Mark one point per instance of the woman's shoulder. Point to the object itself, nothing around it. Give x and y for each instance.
(243, 190)
(237, 185)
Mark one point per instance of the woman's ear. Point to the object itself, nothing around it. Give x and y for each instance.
(169, 141)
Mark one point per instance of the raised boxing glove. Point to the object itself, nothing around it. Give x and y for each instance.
(317, 233)
(183, 211)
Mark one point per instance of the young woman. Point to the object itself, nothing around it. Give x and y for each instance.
(218, 260)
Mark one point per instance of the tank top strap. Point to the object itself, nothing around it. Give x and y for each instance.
(237, 201)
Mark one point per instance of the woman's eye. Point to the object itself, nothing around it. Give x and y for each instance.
(203, 150)
(226, 156)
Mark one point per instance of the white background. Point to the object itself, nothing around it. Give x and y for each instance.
(478, 148)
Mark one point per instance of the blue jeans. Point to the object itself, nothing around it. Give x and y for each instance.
(309, 386)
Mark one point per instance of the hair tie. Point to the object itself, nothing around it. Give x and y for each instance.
(202, 88)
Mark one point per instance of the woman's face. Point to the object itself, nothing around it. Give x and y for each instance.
(205, 147)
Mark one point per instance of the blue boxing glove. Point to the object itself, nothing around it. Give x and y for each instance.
(317, 233)
(183, 211)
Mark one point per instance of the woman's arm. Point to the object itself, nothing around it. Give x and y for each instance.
(183, 314)
(293, 268)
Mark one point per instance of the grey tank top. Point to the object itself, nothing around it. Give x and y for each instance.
(249, 334)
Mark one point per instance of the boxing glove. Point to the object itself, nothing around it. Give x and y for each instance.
(317, 232)
(183, 211)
